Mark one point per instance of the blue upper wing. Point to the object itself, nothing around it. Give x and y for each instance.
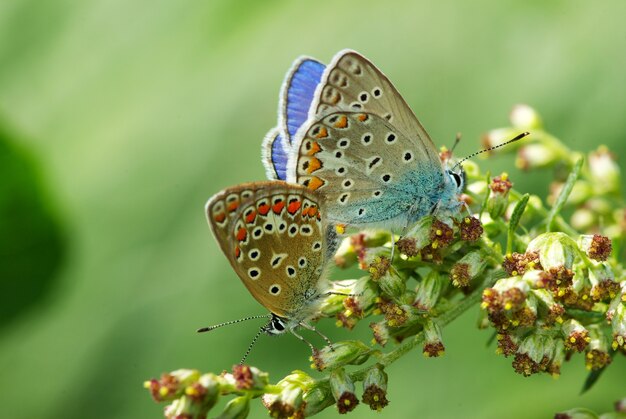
(296, 95)
(274, 155)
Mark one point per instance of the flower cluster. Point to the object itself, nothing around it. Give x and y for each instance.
(549, 289)
(192, 395)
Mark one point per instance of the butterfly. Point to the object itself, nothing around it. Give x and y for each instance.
(295, 99)
(278, 242)
(366, 153)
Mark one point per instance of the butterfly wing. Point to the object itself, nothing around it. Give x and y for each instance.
(368, 170)
(274, 155)
(273, 236)
(352, 83)
(296, 95)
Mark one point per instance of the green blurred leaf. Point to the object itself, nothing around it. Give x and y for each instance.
(32, 245)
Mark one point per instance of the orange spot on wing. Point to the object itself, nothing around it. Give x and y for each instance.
(314, 164)
(219, 217)
(363, 117)
(264, 209)
(250, 217)
(278, 207)
(237, 252)
(312, 211)
(241, 234)
(323, 133)
(315, 148)
(233, 206)
(293, 207)
(342, 122)
(315, 183)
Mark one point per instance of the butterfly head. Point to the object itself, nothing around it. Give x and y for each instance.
(276, 326)
(457, 178)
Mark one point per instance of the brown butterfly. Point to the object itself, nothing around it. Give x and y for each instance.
(276, 239)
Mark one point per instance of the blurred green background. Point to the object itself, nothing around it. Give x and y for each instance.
(118, 119)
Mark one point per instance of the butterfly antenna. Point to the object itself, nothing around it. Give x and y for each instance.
(256, 337)
(209, 328)
(517, 138)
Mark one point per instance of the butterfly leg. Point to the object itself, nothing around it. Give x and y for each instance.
(312, 328)
(293, 332)
(393, 246)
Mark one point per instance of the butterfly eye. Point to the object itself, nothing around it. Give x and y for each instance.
(459, 179)
(277, 323)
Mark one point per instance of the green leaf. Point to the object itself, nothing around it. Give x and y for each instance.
(32, 243)
(518, 211)
(565, 192)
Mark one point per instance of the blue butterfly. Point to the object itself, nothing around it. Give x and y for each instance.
(296, 95)
(363, 149)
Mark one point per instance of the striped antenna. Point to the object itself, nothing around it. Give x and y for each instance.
(517, 138)
(209, 328)
(256, 337)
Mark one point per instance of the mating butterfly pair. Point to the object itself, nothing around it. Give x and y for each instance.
(351, 152)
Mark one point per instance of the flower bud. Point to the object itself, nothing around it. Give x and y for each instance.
(518, 263)
(429, 290)
(392, 284)
(179, 408)
(525, 118)
(576, 337)
(342, 389)
(334, 302)
(208, 396)
(555, 250)
(379, 267)
(507, 344)
(342, 353)
(433, 346)
(416, 238)
(375, 388)
(467, 268)
(499, 197)
(620, 405)
(597, 355)
(618, 325)
(470, 229)
(583, 219)
(441, 234)
(537, 155)
(604, 171)
(553, 310)
(535, 354)
(395, 315)
(603, 285)
(237, 408)
(249, 378)
(381, 332)
(289, 402)
(317, 399)
(597, 247)
(172, 385)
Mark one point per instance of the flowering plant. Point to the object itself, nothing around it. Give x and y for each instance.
(546, 277)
